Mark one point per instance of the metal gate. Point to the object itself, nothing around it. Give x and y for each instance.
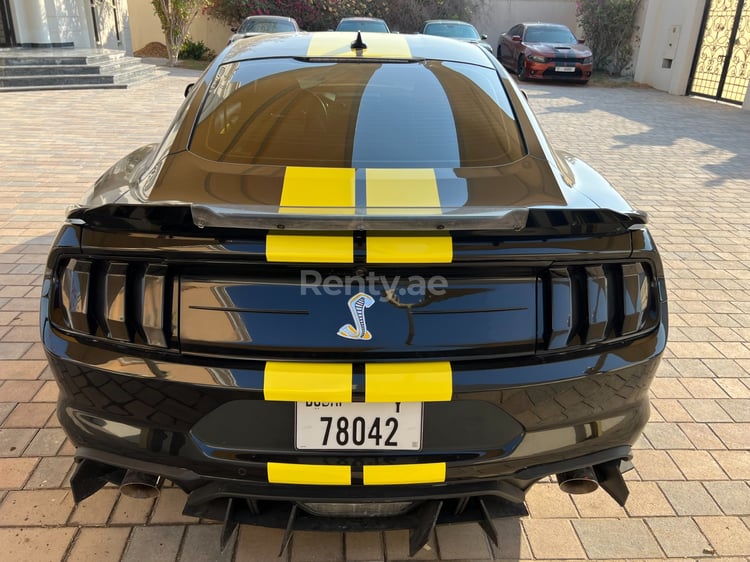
(721, 68)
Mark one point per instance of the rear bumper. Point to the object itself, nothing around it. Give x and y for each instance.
(553, 415)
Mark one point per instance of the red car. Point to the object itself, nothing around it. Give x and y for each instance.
(545, 51)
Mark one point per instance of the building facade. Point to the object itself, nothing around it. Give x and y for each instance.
(82, 24)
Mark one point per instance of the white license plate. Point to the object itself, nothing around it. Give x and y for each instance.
(565, 69)
(358, 426)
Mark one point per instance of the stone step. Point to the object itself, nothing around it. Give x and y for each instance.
(59, 60)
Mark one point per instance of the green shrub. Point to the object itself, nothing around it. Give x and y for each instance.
(609, 27)
(195, 50)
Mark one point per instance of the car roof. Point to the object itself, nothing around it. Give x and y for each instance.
(337, 45)
(361, 18)
(543, 24)
(459, 22)
(269, 17)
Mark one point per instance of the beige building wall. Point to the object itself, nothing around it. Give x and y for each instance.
(669, 38)
(146, 28)
(497, 16)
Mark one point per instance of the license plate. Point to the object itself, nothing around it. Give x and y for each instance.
(352, 426)
(565, 69)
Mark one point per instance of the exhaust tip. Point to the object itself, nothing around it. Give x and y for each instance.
(140, 485)
(579, 481)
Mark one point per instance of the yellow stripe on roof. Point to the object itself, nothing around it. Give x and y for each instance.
(328, 191)
(402, 191)
(379, 45)
(300, 382)
(307, 248)
(312, 474)
(429, 381)
(428, 473)
(409, 249)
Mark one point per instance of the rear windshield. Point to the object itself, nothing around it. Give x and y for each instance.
(363, 25)
(458, 30)
(288, 112)
(265, 26)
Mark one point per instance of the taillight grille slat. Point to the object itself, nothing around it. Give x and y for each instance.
(131, 300)
(591, 304)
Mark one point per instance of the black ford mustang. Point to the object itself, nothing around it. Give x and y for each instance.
(353, 287)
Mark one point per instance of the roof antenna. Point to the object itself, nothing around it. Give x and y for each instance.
(358, 44)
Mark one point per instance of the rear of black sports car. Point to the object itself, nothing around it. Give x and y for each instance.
(353, 288)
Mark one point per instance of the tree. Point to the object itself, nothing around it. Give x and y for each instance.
(176, 17)
(609, 27)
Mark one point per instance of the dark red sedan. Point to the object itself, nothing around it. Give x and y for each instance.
(545, 51)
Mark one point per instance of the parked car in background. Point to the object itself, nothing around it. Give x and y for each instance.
(353, 288)
(258, 25)
(370, 25)
(545, 51)
(454, 29)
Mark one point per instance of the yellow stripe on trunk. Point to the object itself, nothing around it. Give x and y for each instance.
(300, 382)
(408, 382)
(313, 474)
(309, 248)
(319, 191)
(428, 473)
(402, 191)
(409, 249)
(379, 45)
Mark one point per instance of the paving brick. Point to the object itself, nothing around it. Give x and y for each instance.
(670, 410)
(364, 546)
(46, 443)
(463, 542)
(705, 410)
(679, 536)
(37, 545)
(29, 415)
(259, 544)
(26, 370)
(733, 435)
(201, 544)
(735, 463)
(95, 510)
(733, 497)
(597, 504)
(99, 544)
(397, 547)
(698, 465)
(605, 539)
(656, 465)
(317, 547)
(48, 393)
(547, 500)
(158, 542)
(14, 472)
(5, 409)
(131, 511)
(689, 498)
(727, 535)
(19, 391)
(513, 543)
(169, 506)
(701, 436)
(553, 538)
(738, 410)
(666, 436)
(647, 499)
(50, 473)
(13, 442)
(36, 508)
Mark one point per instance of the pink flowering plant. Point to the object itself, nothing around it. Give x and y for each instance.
(609, 27)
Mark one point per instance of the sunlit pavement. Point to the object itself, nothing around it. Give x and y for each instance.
(685, 161)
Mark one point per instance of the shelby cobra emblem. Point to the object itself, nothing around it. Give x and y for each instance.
(357, 305)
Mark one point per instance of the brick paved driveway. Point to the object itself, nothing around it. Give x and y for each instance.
(686, 162)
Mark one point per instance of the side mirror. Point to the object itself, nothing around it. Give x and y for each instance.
(233, 29)
(189, 88)
(483, 36)
(516, 39)
(581, 41)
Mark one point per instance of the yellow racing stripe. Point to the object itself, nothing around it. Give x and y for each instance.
(379, 45)
(427, 473)
(313, 474)
(402, 191)
(308, 248)
(324, 191)
(409, 249)
(300, 382)
(408, 382)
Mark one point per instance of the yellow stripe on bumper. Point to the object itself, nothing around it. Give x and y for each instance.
(300, 382)
(326, 191)
(340, 45)
(427, 473)
(409, 249)
(314, 474)
(402, 192)
(306, 248)
(408, 382)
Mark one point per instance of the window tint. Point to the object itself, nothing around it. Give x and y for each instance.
(265, 26)
(542, 34)
(363, 25)
(458, 30)
(357, 114)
